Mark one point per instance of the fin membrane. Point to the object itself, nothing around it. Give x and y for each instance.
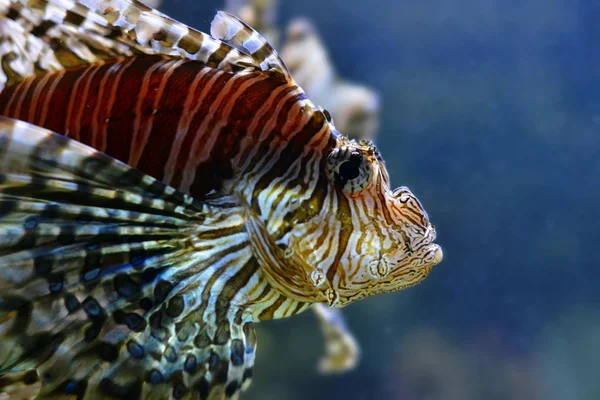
(341, 349)
(109, 279)
(238, 34)
(19, 386)
(38, 36)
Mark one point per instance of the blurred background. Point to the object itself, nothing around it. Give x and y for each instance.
(489, 110)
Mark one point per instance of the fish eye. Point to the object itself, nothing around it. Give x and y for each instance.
(349, 170)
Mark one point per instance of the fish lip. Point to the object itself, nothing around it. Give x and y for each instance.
(438, 254)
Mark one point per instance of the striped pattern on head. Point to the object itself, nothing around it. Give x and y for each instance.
(328, 228)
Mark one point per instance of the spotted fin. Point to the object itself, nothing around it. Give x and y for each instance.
(238, 34)
(46, 35)
(112, 284)
(341, 349)
(19, 386)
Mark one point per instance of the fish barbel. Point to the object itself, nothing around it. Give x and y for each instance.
(162, 190)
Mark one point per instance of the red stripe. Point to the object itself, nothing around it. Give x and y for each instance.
(39, 91)
(105, 112)
(216, 117)
(243, 108)
(193, 133)
(88, 100)
(56, 118)
(170, 112)
(122, 117)
(143, 110)
(22, 102)
(48, 95)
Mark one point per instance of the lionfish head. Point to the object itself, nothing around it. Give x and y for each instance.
(385, 240)
(365, 238)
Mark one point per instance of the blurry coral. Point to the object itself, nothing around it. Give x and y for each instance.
(567, 356)
(260, 14)
(429, 366)
(355, 108)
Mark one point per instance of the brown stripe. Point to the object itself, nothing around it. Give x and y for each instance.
(224, 116)
(201, 147)
(189, 85)
(219, 55)
(73, 18)
(98, 120)
(57, 112)
(345, 232)
(292, 151)
(74, 103)
(246, 105)
(153, 128)
(191, 42)
(269, 312)
(233, 286)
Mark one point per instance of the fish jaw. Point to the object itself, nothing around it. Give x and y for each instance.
(395, 251)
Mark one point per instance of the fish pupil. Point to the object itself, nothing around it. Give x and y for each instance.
(350, 169)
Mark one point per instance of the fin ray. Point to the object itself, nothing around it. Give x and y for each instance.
(104, 274)
(49, 35)
(241, 36)
(341, 348)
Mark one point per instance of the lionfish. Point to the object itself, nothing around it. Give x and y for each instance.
(162, 190)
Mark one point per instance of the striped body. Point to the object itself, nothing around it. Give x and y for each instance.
(186, 124)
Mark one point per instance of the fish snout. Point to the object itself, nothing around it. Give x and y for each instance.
(436, 254)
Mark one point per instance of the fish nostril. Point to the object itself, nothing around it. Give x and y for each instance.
(398, 191)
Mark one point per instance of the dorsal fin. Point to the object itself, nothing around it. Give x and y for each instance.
(158, 33)
(46, 35)
(238, 34)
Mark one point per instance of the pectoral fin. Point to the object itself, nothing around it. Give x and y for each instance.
(112, 284)
(341, 349)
